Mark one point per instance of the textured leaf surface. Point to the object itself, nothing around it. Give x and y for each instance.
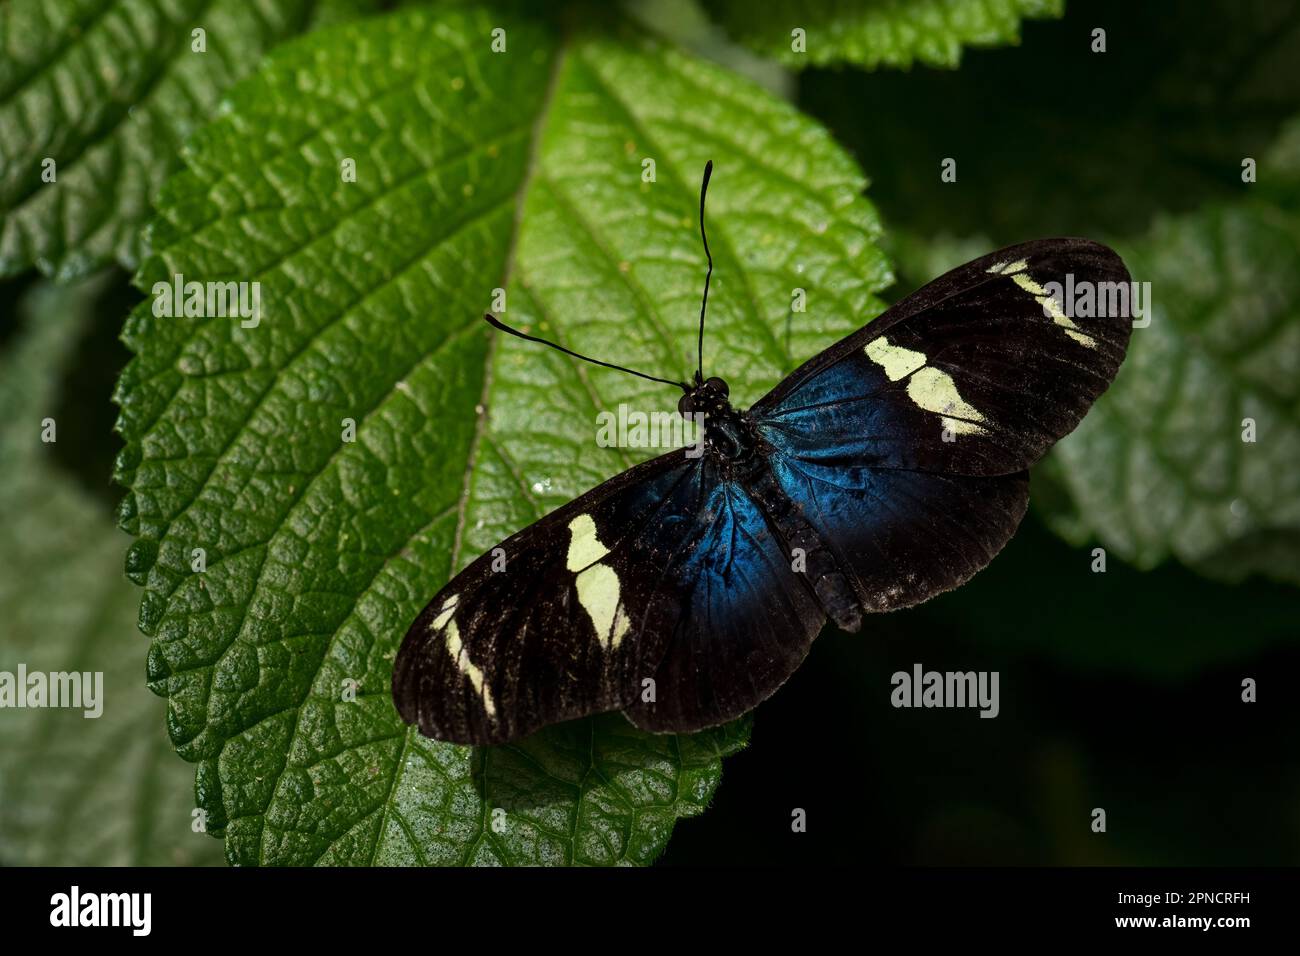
(875, 33)
(475, 171)
(109, 90)
(106, 791)
(1160, 467)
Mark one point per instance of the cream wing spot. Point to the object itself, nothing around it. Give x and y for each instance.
(897, 361)
(597, 584)
(1028, 284)
(1053, 309)
(467, 667)
(934, 390)
(585, 548)
(621, 626)
(445, 613)
(930, 388)
(598, 593)
(1016, 272)
(960, 426)
(1008, 268)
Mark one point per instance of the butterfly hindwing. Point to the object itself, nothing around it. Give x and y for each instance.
(750, 620)
(903, 536)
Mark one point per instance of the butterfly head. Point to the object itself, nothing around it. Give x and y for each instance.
(708, 398)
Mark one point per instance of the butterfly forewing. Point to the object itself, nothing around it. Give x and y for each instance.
(977, 373)
(555, 622)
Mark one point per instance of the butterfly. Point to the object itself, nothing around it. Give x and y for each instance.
(885, 470)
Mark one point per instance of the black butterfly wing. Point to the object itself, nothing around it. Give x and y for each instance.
(906, 444)
(903, 536)
(979, 372)
(556, 621)
(579, 617)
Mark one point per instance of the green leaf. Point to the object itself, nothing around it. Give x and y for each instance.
(1160, 468)
(109, 90)
(1280, 167)
(475, 171)
(1054, 139)
(104, 791)
(875, 33)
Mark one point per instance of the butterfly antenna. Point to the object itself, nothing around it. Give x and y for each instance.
(493, 321)
(704, 188)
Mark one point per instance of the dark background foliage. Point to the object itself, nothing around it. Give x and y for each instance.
(1121, 690)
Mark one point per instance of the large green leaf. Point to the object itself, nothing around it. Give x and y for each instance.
(108, 90)
(874, 33)
(475, 170)
(74, 790)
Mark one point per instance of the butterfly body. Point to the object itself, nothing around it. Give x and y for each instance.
(885, 470)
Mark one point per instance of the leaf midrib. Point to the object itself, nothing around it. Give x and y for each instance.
(532, 175)
(538, 128)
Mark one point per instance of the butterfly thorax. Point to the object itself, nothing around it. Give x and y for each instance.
(730, 437)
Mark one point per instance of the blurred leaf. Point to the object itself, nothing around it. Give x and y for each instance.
(1280, 167)
(873, 33)
(104, 791)
(1159, 467)
(1053, 139)
(474, 170)
(1272, 553)
(109, 90)
(685, 24)
(918, 260)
